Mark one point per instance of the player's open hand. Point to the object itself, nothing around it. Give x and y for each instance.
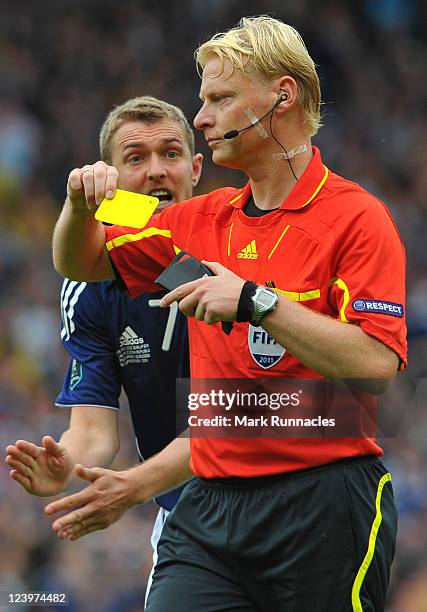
(211, 298)
(41, 470)
(89, 185)
(100, 504)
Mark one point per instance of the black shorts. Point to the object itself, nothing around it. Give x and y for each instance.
(319, 540)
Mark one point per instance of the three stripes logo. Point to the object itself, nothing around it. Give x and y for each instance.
(70, 294)
(130, 337)
(249, 251)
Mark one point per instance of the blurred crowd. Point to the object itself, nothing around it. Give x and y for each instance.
(63, 65)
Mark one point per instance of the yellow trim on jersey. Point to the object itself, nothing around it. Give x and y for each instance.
(296, 296)
(229, 240)
(236, 198)
(125, 238)
(360, 576)
(278, 242)
(341, 285)
(318, 188)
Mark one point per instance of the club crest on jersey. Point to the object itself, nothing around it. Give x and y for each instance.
(265, 351)
(249, 251)
(378, 307)
(76, 374)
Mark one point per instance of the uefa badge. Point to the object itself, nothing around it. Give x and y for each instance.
(359, 305)
(265, 351)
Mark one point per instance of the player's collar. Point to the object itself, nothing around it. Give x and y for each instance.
(304, 192)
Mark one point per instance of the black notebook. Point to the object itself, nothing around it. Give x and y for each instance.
(183, 269)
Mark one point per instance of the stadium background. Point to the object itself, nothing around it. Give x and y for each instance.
(63, 65)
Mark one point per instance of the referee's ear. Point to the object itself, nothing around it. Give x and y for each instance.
(197, 164)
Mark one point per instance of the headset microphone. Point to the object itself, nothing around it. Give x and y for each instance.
(234, 133)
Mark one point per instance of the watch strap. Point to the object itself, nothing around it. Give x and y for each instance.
(246, 305)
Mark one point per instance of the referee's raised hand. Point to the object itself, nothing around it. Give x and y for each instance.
(89, 185)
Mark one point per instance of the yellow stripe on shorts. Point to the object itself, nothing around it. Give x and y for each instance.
(357, 584)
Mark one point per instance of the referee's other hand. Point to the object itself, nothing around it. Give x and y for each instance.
(211, 298)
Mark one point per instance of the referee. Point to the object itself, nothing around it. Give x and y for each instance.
(314, 262)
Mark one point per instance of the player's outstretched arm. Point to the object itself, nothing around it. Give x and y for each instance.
(91, 439)
(40, 470)
(111, 493)
(78, 241)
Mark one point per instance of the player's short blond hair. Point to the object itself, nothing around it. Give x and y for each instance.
(271, 49)
(146, 109)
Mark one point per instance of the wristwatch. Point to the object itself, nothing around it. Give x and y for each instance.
(264, 301)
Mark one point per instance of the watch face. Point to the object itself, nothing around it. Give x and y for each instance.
(264, 299)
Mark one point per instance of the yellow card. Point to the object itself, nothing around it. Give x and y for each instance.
(127, 208)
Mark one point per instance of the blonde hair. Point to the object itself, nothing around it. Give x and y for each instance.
(143, 108)
(272, 49)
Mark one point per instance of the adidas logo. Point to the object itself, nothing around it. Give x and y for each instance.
(132, 348)
(129, 337)
(249, 251)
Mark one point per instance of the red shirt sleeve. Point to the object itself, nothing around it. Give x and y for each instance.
(140, 255)
(368, 287)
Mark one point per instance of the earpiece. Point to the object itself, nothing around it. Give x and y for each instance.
(284, 96)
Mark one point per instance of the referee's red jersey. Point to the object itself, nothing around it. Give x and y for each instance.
(331, 246)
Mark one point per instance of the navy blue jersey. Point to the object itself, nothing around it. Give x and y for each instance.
(116, 342)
